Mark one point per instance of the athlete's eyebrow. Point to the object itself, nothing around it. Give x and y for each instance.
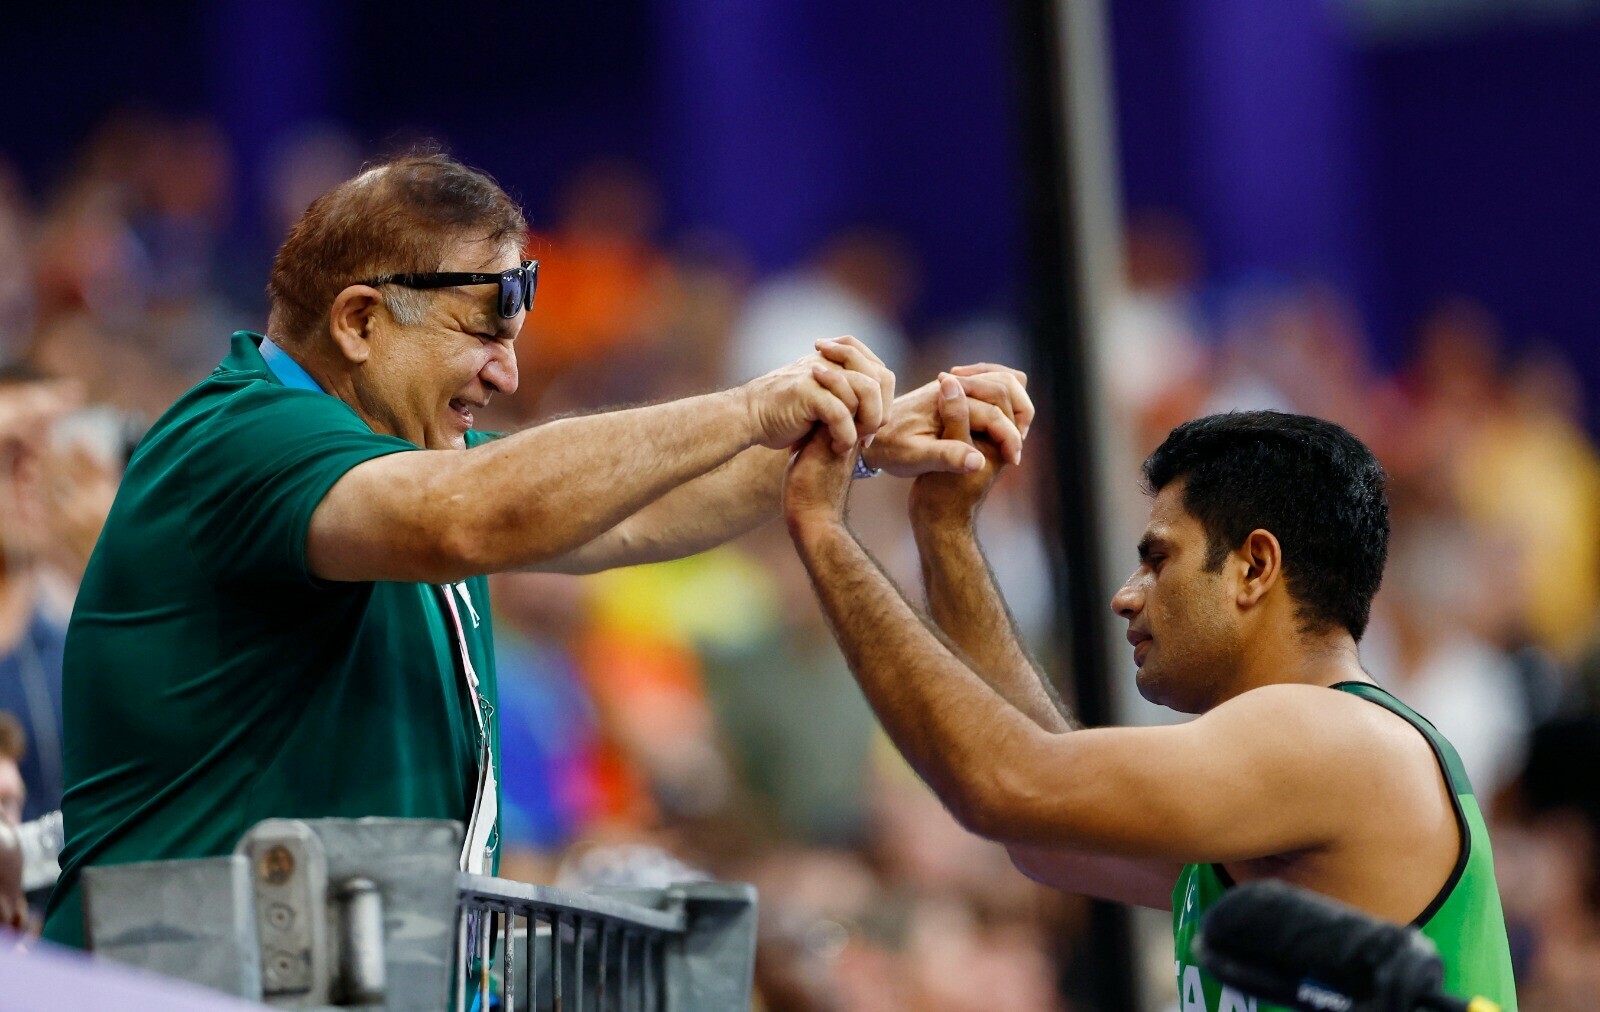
(1150, 544)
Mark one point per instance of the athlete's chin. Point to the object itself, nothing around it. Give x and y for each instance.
(1160, 691)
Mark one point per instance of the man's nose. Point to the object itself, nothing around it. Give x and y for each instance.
(1128, 601)
(500, 372)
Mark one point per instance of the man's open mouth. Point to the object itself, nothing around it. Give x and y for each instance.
(463, 411)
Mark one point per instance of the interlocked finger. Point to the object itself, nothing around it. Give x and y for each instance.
(999, 426)
(854, 355)
(1004, 390)
(981, 367)
(832, 411)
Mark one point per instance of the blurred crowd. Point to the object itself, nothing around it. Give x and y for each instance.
(695, 717)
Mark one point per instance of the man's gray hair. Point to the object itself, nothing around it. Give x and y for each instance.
(408, 306)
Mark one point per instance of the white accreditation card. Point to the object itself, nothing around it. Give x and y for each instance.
(486, 803)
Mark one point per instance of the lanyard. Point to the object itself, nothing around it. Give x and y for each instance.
(486, 804)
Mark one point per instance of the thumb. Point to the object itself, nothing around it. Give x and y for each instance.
(953, 410)
(956, 457)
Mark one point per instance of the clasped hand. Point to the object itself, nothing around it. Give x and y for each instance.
(954, 433)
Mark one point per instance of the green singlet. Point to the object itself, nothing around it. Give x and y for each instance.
(212, 680)
(1465, 920)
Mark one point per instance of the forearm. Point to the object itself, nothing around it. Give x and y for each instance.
(521, 500)
(714, 508)
(953, 729)
(965, 603)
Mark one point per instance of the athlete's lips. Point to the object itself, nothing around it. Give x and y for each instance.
(1138, 641)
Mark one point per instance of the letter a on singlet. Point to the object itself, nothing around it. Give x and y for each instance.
(1233, 1001)
(1194, 996)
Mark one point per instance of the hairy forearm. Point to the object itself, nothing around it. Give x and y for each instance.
(521, 500)
(953, 729)
(965, 603)
(716, 507)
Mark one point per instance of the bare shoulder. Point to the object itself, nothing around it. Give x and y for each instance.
(1320, 724)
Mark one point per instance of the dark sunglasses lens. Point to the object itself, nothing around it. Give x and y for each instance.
(531, 276)
(510, 296)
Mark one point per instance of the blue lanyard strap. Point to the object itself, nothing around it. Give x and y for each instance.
(289, 372)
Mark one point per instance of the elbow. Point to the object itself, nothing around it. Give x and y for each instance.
(988, 804)
(456, 554)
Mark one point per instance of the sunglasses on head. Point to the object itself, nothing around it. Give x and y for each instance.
(516, 285)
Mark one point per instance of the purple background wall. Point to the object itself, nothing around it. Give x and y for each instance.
(1403, 170)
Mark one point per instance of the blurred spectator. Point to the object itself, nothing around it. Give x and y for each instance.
(1547, 855)
(16, 284)
(798, 729)
(602, 283)
(1428, 647)
(1529, 478)
(548, 732)
(31, 638)
(1152, 368)
(13, 748)
(860, 284)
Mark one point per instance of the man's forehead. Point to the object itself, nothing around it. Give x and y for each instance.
(1166, 506)
(484, 257)
(1168, 516)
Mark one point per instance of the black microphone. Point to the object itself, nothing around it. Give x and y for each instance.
(1292, 947)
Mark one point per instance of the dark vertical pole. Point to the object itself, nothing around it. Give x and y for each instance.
(1100, 972)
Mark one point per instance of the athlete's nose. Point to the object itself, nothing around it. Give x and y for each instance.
(1128, 601)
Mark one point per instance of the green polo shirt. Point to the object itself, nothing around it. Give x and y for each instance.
(211, 681)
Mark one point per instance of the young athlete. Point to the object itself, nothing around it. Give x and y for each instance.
(1266, 542)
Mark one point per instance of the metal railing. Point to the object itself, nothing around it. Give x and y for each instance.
(338, 913)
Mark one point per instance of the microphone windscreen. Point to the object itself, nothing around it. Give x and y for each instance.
(1275, 932)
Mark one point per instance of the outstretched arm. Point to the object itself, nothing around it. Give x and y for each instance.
(738, 496)
(545, 492)
(744, 493)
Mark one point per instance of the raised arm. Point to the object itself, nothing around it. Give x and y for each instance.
(1263, 774)
(963, 598)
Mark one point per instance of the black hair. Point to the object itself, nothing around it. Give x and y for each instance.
(1313, 485)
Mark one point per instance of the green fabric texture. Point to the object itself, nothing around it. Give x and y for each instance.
(1465, 922)
(211, 681)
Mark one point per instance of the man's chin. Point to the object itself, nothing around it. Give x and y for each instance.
(449, 437)
(1155, 690)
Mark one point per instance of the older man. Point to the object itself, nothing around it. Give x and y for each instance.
(286, 614)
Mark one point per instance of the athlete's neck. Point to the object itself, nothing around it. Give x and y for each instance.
(1302, 659)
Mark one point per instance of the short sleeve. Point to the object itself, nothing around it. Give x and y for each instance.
(257, 470)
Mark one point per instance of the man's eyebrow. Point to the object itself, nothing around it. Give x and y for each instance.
(1150, 543)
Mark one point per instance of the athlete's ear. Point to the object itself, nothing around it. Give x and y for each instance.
(1263, 559)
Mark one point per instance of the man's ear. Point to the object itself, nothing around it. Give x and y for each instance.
(350, 321)
(1262, 557)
